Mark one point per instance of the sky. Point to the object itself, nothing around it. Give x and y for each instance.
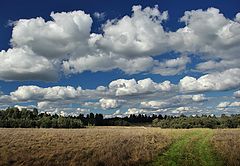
(121, 57)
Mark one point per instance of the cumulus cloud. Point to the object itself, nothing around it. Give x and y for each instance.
(24, 64)
(175, 101)
(131, 111)
(213, 66)
(164, 111)
(65, 34)
(208, 31)
(171, 66)
(215, 81)
(134, 96)
(20, 107)
(123, 87)
(181, 109)
(108, 103)
(115, 95)
(5, 99)
(227, 104)
(39, 46)
(104, 62)
(199, 98)
(237, 94)
(155, 104)
(25, 93)
(124, 45)
(129, 43)
(137, 35)
(211, 36)
(62, 108)
(65, 43)
(42, 49)
(115, 89)
(235, 104)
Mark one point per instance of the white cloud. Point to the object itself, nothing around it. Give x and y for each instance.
(118, 93)
(144, 111)
(99, 15)
(43, 105)
(209, 32)
(104, 62)
(213, 66)
(123, 87)
(155, 104)
(136, 111)
(199, 97)
(20, 107)
(182, 109)
(83, 110)
(118, 112)
(175, 101)
(237, 94)
(68, 33)
(171, 66)
(235, 104)
(237, 19)
(39, 46)
(215, 81)
(138, 35)
(211, 36)
(23, 64)
(5, 99)
(142, 96)
(115, 89)
(226, 104)
(42, 49)
(65, 43)
(25, 93)
(109, 103)
(62, 108)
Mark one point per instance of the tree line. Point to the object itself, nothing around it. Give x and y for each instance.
(203, 121)
(24, 118)
(14, 118)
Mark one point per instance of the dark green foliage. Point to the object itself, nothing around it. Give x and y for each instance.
(14, 118)
(203, 121)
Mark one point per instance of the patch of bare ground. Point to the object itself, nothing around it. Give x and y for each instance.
(227, 144)
(91, 146)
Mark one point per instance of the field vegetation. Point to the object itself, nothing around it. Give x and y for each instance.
(89, 146)
(119, 146)
(227, 144)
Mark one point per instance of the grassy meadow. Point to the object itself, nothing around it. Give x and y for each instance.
(119, 146)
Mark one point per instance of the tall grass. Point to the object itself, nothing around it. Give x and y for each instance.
(113, 146)
(227, 144)
(95, 146)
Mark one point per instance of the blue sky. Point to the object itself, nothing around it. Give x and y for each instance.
(186, 54)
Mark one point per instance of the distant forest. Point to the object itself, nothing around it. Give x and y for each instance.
(15, 118)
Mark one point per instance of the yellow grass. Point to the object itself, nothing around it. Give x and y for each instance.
(91, 146)
(227, 144)
(113, 146)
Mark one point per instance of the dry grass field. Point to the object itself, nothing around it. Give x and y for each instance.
(227, 144)
(118, 146)
(91, 146)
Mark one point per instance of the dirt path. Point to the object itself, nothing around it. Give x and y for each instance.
(193, 149)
